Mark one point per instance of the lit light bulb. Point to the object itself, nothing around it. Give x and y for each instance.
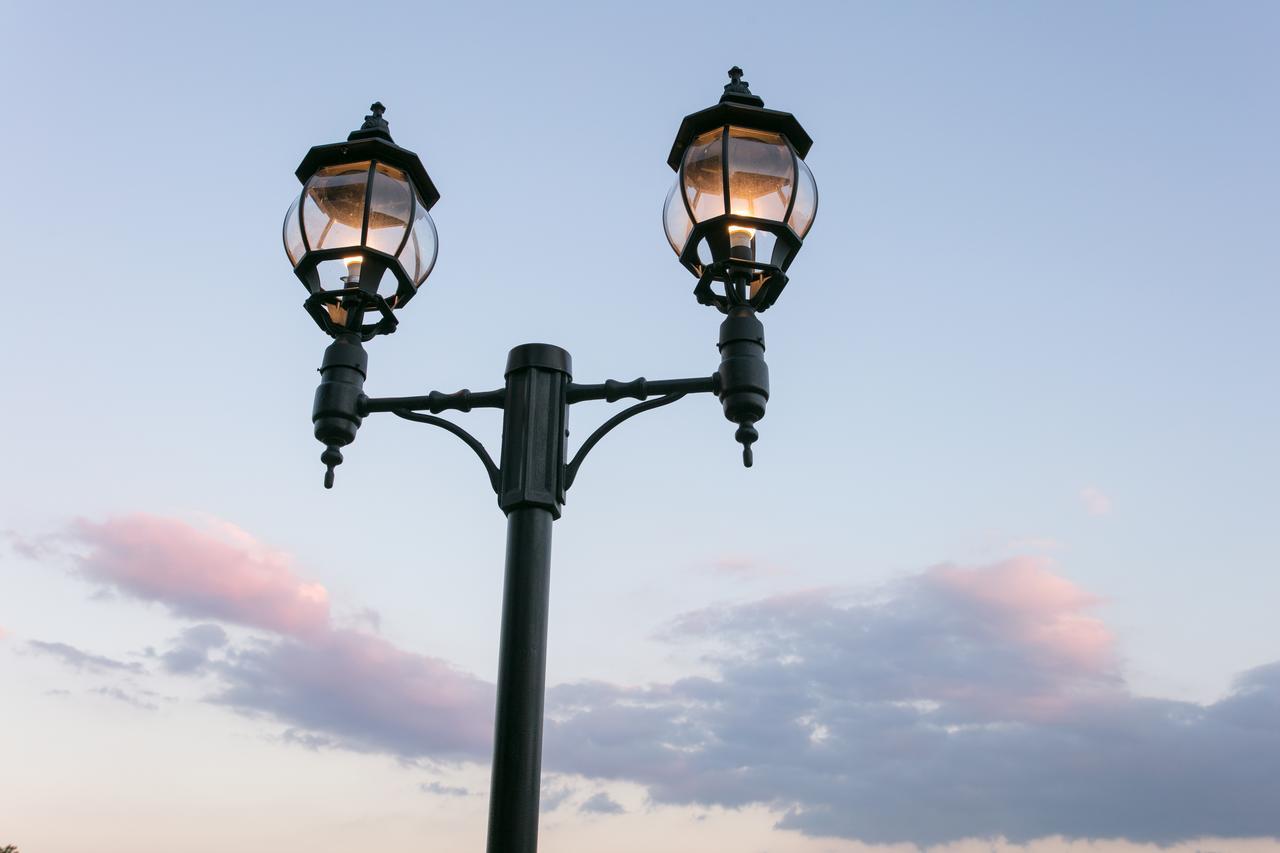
(740, 236)
(353, 269)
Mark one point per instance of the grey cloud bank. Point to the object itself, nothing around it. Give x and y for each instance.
(956, 703)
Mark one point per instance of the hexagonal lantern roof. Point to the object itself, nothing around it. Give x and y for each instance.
(371, 142)
(739, 107)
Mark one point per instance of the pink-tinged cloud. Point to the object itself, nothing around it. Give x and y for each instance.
(1035, 609)
(219, 572)
(3, 633)
(333, 687)
(1022, 608)
(1095, 502)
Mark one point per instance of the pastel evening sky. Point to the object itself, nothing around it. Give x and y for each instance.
(1005, 572)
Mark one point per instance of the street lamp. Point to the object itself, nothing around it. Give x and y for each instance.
(361, 240)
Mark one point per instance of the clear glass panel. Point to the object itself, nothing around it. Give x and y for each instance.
(389, 208)
(333, 205)
(332, 274)
(761, 174)
(703, 176)
(675, 219)
(806, 208)
(763, 245)
(704, 252)
(293, 245)
(419, 253)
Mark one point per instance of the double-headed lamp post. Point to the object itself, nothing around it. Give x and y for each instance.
(360, 237)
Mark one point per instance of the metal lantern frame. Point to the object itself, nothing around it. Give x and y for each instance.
(371, 143)
(758, 282)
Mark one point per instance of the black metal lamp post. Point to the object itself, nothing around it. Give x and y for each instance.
(360, 238)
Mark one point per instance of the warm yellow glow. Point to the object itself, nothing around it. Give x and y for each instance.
(353, 268)
(741, 235)
(742, 229)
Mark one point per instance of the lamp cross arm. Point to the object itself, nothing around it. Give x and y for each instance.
(436, 402)
(612, 390)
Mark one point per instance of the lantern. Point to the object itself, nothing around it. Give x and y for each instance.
(743, 199)
(359, 235)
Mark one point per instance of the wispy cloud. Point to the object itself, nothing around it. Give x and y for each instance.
(82, 660)
(444, 790)
(137, 699)
(1095, 501)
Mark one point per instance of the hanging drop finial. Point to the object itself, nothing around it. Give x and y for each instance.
(374, 125)
(746, 435)
(738, 90)
(332, 458)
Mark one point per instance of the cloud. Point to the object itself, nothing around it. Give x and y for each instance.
(1095, 502)
(4, 634)
(190, 652)
(82, 660)
(357, 691)
(956, 703)
(552, 798)
(133, 699)
(959, 703)
(443, 790)
(332, 687)
(601, 803)
(219, 572)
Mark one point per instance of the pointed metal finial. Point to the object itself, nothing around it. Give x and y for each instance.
(739, 90)
(374, 125)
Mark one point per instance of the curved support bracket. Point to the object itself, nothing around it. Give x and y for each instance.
(571, 470)
(470, 440)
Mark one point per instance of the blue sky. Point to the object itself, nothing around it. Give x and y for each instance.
(1022, 404)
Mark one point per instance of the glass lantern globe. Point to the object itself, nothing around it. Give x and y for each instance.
(743, 199)
(359, 235)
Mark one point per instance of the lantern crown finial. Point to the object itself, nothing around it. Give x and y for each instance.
(738, 91)
(375, 126)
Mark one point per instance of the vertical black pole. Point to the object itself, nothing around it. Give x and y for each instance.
(531, 494)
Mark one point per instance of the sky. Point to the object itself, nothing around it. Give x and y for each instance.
(1003, 576)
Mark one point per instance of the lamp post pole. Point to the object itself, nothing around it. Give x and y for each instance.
(531, 494)
(742, 205)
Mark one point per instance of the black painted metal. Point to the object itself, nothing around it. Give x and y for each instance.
(522, 668)
(335, 412)
(534, 428)
(437, 402)
(744, 376)
(613, 390)
(531, 492)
